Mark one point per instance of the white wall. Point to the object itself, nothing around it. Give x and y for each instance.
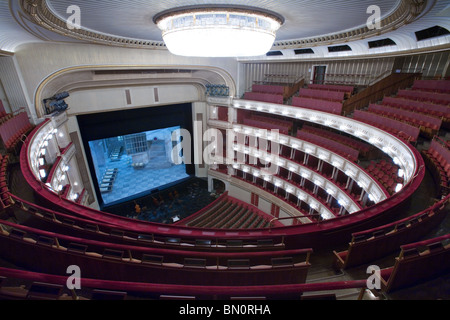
(239, 193)
(109, 99)
(283, 214)
(72, 126)
(201, 168)
(39, 60)
(264, 205)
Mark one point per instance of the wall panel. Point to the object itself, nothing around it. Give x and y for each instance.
(432, 65)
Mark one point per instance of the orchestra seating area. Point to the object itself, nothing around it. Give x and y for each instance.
(120, 262)
(229, 213)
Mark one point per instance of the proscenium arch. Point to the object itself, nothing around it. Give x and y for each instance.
(57, 81)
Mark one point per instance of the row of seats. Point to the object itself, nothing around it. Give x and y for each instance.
(375, 243)
(364, 148)
(117, 262)
(398, 128)
(427, 108)
(440, 86)
(12, 130)
(264, 97)
(317, 104)
(42, 286)
(91, 229)
(268, 88)
(421, 96)
(348, 90)
(429, 126)
(284, 127)
(330, 144)
(437, 158)
(322, 94)
(419, 261)
(230, 214)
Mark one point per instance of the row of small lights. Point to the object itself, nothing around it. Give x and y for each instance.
(301, 195)
(343, 202)
(291, 168)
(345, 128)
(311, 152)
(61, 173)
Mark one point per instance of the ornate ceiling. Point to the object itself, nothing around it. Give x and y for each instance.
(129, 23)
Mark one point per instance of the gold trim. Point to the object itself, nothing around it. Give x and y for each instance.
(406, 12)
(40, 13)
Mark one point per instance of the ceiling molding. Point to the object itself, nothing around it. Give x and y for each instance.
(406, 12)
(43, 16)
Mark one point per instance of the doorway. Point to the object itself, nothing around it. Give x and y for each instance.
(319, 74)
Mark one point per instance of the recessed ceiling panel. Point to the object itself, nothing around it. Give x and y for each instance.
(303, 18)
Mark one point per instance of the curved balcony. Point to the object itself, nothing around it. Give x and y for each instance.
(314, 234)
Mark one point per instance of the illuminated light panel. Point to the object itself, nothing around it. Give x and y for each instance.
(218, 31)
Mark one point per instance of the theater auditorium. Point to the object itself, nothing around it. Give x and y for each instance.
(224, 150)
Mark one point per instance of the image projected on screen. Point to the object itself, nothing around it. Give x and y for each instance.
(132, 165)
